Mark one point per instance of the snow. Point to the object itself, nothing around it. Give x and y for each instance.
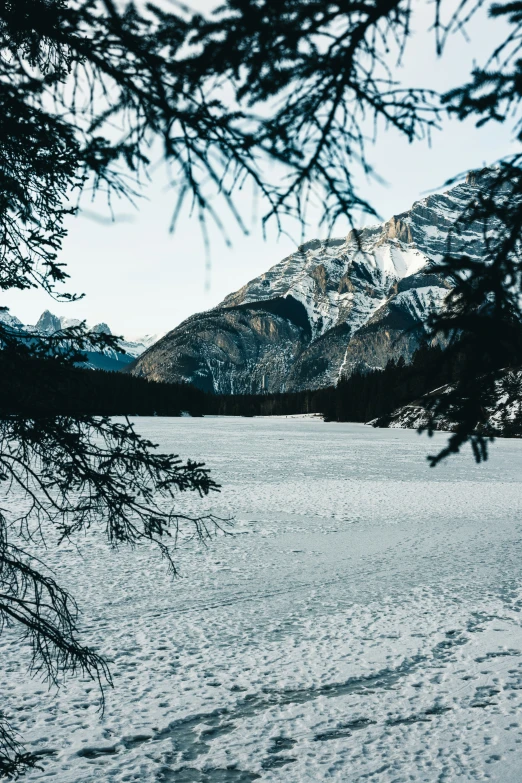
(434, 231)
(133, 346)
(8, 319)
(503, 412)
(67, 323)
(371, 261)
(422, 301)
(395, 262)
(363, 623)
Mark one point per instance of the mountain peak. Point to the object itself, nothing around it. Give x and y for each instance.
(107, 359)
(332, 306)
(480, 177)
(101, 328)
(8, 319)
(48, 323)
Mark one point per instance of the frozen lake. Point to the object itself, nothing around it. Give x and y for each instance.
(363, 623)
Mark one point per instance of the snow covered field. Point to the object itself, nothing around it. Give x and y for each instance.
(364, 623)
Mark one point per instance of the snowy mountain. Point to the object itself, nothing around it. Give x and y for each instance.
(328, 308)
(48, 324)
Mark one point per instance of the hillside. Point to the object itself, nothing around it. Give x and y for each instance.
(327, 310)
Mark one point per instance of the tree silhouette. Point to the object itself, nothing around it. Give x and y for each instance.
(89, 89)
(84, 89)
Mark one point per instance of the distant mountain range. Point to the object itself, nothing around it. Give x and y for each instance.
(330, 308)
(109, 359)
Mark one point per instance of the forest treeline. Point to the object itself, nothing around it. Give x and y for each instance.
(46, 387)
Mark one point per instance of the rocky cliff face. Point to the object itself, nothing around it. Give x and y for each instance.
(330, 307)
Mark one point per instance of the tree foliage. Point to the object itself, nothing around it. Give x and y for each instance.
(283, 97)
(83, 91)
(321, 77)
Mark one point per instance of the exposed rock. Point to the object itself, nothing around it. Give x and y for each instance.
(101, 329)
(330, 307)
(48, 323)
(239, 350)
(108, 359)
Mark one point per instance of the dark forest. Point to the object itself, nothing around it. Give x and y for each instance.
(43, 388)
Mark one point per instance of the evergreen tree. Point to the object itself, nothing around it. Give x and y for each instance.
(86, 88)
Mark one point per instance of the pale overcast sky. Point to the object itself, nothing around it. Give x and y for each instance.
(140, 279)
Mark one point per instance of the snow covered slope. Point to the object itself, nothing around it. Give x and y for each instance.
(329, 307)
(48, 324)
(502, 414)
